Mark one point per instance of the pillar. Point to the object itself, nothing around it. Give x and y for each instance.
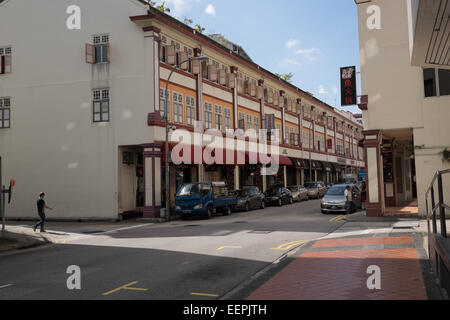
(152, 179)
(236, 178)
(374, 166)
(285, 176)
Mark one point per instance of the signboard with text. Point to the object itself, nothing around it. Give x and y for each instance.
(348, 86)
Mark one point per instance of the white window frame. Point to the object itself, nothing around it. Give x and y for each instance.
(177, 107)
(101, 97)
(190, 111)
(5, 107)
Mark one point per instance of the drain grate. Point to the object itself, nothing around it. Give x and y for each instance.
(239, 222)
(192, 225)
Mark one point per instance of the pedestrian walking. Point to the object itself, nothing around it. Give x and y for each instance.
(41, 206)
(348, 199)
(363, 195)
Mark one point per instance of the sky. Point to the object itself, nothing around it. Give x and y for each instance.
(310, 38)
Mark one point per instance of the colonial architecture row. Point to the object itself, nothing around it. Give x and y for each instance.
(82, 118)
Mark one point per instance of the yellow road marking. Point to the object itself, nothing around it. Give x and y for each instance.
(340, 218)
(337, 218)
(204, 294)
(228, 247)
(289, 245)
(125, 287)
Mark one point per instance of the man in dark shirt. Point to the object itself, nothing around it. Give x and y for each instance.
(41, 206)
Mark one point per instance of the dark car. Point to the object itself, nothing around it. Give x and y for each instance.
(278, 196)
(316, 190)
(334, 200)
(250, 199)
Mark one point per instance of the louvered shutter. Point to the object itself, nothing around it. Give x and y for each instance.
(276, 100)
(232, 80)
(212, 72)
(253, 89)
(171, 55)
(184, 58)
(90, 53)
(260, 92)
(222, 77)
(240, 85)
(270, 98)
(195, 66)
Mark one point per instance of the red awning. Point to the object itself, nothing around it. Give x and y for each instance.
(226, 157)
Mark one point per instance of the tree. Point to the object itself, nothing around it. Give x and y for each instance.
(188, 21)
(286, 77)
(199, 28)
(161, 7)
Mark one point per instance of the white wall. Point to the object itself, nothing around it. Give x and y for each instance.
(53, 145)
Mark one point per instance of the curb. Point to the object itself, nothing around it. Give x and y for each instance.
(23, 241)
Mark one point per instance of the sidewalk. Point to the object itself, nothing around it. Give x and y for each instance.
(336, 268)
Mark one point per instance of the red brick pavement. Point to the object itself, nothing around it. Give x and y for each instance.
(362, 242)
(342, 274)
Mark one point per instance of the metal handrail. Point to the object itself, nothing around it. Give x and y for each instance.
(441, 206)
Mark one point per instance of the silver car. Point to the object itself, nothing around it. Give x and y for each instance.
(299, 193)
(334, 200)
(316, 190)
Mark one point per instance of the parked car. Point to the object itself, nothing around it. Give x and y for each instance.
(334, 200)
(316, 190)
(204, 199)
(328, 186)
(299, 193)
(249, 199)
(278, 196)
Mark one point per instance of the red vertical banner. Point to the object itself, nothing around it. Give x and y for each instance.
(348, 86)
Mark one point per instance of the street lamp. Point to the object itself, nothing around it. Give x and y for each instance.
(166, 117)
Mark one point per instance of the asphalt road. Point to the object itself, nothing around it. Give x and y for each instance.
(181, 260)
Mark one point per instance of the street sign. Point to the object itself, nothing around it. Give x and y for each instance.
(348, 86)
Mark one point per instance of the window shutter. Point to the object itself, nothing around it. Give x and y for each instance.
(195, 66)
(270, 100)
(240, 86)
(183, 56)
(212, 72)
(108, 52)
(171, 56)
(1, 67)
(222, 77)
(247, 87)
(275, 100)
(281, 102)
(253, 89)
(232, 80)
(260, 92)
(90, 53)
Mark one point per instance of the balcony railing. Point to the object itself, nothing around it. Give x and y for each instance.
(440, 206)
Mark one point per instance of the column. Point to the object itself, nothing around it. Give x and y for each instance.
(236, 178)
(300, 123)
(285, 176)
(151, 75)
(374, 166)
(152, 179)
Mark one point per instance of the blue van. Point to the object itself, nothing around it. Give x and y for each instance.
(204, 199)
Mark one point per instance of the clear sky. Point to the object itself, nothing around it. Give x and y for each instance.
(310, 38)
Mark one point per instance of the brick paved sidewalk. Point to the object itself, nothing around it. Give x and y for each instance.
(336, 269)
